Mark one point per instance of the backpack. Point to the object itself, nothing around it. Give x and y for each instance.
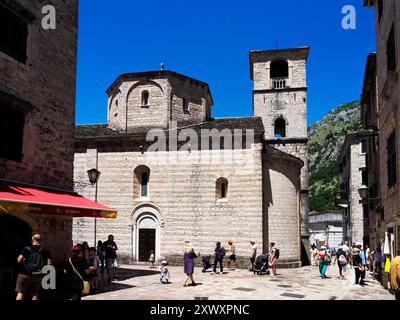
(276, 253)
(34, 263)
(327, 259)
(342, 260)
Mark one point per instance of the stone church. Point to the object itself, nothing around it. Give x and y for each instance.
(258, 190)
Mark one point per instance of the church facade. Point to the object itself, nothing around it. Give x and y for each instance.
(179, 176)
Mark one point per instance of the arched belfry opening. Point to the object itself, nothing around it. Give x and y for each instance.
(279, 69)
(280, 128)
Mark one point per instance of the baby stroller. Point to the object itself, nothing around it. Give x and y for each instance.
(261, 265)
(205, 262)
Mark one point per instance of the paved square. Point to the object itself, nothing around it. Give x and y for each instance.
(138, 282)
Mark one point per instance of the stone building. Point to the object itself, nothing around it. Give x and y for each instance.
(370, 123)
(37, 114)
(387, 24)
(353, 176)
(244, 181)
(326, 228)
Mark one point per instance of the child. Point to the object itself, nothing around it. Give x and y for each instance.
(164, 273)
(151, 259)
(94, 265)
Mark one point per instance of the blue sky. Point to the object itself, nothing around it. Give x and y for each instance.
(210, 41)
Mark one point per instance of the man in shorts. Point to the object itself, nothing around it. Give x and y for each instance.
(32, 258)
(110, 247)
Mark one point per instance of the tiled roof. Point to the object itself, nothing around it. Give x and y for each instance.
(103, 131)
(281, 50)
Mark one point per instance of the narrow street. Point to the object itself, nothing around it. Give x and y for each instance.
(139, 282)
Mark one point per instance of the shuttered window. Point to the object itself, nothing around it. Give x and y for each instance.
(391, 162)
(13, 35)
(11, 133)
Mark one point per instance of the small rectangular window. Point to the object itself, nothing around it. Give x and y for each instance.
(364, 146)
(364, 177)
(13, 35)
(11, 133)
(391, 51)
(185, 105)
(391, 160)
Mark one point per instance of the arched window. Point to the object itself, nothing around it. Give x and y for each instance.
(279, 69)
(280, 128)
(145, 98)
(141, 183)
(144, 183)
(221, 189)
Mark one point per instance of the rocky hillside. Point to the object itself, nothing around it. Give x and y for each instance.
(326, 137)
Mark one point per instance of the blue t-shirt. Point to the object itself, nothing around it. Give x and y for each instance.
(362, 256)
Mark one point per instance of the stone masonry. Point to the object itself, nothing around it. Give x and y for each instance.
(47, 82)
(265, 182)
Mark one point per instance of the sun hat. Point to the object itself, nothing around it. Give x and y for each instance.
(164, 262)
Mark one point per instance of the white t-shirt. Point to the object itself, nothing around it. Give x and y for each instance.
(254, 250)
(367, 252)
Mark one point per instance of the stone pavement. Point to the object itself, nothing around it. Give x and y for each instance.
(138, 282)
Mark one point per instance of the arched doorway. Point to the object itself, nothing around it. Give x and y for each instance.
(147, 237)
(146, 232)
(15, 234)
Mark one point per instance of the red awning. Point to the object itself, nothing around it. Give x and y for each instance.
(16, 197)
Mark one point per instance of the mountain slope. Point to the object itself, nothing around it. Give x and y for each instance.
(326, 138)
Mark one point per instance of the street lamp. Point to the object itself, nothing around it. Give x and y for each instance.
(94, 175)
(363, 192)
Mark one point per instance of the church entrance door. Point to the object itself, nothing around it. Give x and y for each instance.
(147, 243)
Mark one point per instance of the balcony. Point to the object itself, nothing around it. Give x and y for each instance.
(279, 83)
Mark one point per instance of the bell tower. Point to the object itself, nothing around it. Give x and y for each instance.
(280, 91)
(280, 99)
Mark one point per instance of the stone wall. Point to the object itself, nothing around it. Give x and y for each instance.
(281, 187)
(181, 199)
(166, 94)
(262, 66)
(388, 106)
(47, 82)
(291, 105)
(196, 96)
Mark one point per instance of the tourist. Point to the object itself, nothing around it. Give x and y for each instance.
(101, 254)
(219, 257)
(94, 263)
(395, 276)
(85, 251)
(273, 256)
(358, 265)
(314, 255)
(324, 261)
(347, 249)
(110, 248)
(341, 260)
(32, 258)
(377, 270)
(361, 253)
(151, 259)
(253, 254)
(164, 273)
(367, 252)
(188, 261)
(232, 257)
(77, 271)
